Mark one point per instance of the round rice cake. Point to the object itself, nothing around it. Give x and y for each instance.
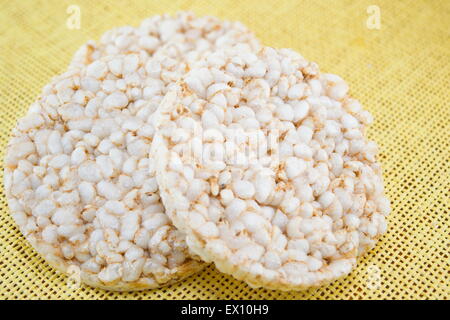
(182, 35)
(264, 165)
(78, 173)
(80, 180)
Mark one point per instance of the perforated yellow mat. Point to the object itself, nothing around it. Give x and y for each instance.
(400, 72)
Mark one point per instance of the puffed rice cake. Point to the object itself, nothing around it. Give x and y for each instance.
(79, 181)
(184, 35)
(78, 173)
(264, 165)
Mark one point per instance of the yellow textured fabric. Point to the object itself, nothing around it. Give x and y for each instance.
(400, 72)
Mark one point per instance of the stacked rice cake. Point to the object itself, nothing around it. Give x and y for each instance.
(184, 142)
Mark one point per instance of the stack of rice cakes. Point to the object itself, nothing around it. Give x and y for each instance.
(184, 142)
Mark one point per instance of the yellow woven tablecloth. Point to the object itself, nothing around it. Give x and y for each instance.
(400, 72)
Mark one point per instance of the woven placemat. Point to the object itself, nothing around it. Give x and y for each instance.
(395, 56)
